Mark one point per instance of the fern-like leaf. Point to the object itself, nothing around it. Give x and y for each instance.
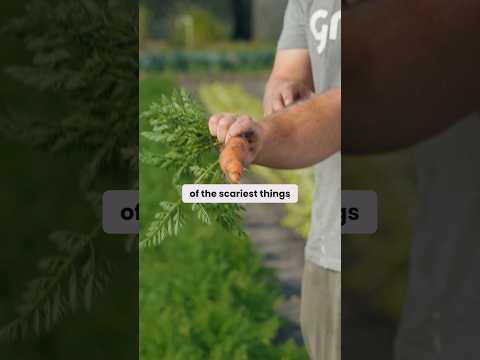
(179, 125)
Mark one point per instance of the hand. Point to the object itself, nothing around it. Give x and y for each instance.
(280, 94)
(225, 126)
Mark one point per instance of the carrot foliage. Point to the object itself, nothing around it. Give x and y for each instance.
(84, 56)
(179, 129)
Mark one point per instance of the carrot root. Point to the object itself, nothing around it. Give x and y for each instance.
(233, 157)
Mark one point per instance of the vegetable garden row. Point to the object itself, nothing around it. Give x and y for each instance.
(227, 60)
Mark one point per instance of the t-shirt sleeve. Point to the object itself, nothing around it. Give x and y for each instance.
(294, 35)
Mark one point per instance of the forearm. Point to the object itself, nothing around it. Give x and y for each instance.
(277, 78)
(304, 134)
(291, 65)
(410, 70)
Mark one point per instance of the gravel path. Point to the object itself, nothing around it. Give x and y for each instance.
(282, 251)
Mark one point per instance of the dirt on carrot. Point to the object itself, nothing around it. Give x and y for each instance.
(233, 158)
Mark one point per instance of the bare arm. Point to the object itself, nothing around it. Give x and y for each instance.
(297, 137)
(304, 134)
(290, 80)
(410, 70)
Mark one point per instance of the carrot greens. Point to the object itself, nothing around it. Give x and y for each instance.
(183, 145)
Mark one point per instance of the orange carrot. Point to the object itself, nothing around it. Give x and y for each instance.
(233, 157)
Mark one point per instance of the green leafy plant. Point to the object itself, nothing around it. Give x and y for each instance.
(70, 278)
(206, 295)
(85, 55)
(196, 27)
(179, 125)
(215, 59)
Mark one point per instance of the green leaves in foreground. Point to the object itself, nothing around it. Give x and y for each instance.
(206, 295)
(85, 57)
(68, 280)
(184, 146)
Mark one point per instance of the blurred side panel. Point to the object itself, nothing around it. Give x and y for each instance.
(410, 127)
(69, 132)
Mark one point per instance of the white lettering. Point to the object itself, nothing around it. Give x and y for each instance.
(326, 31)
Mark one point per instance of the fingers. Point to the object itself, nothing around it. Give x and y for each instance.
(295, 93)
(277, 103)
(304, 92)
(242, 125)
(267, 109)
(272, 102)
(224, 125)
(220, 124)
(267, 106)
(288, 96)
(283, 96)
(213, 123)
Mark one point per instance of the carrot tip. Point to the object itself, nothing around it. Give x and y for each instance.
(234, 177)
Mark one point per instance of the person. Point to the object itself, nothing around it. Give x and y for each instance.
(416, 82)
(307, 73)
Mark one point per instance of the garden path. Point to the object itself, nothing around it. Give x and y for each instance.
(282, 251)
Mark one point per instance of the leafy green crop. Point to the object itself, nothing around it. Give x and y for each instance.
(179, 125)
(223, 59)
(206, 295)
(84, 56)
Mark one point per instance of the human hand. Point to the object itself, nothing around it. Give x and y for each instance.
(279, 94)
(242, 139)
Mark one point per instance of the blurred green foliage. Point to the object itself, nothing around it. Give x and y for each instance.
(375, 267)
(143, 23)
(195, 27)
(204, 294)
(43, 194)
(162, 11)
(226, 58)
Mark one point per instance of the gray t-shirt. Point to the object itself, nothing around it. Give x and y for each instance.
(315, 25)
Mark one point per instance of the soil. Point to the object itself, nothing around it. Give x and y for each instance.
(283, 252)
